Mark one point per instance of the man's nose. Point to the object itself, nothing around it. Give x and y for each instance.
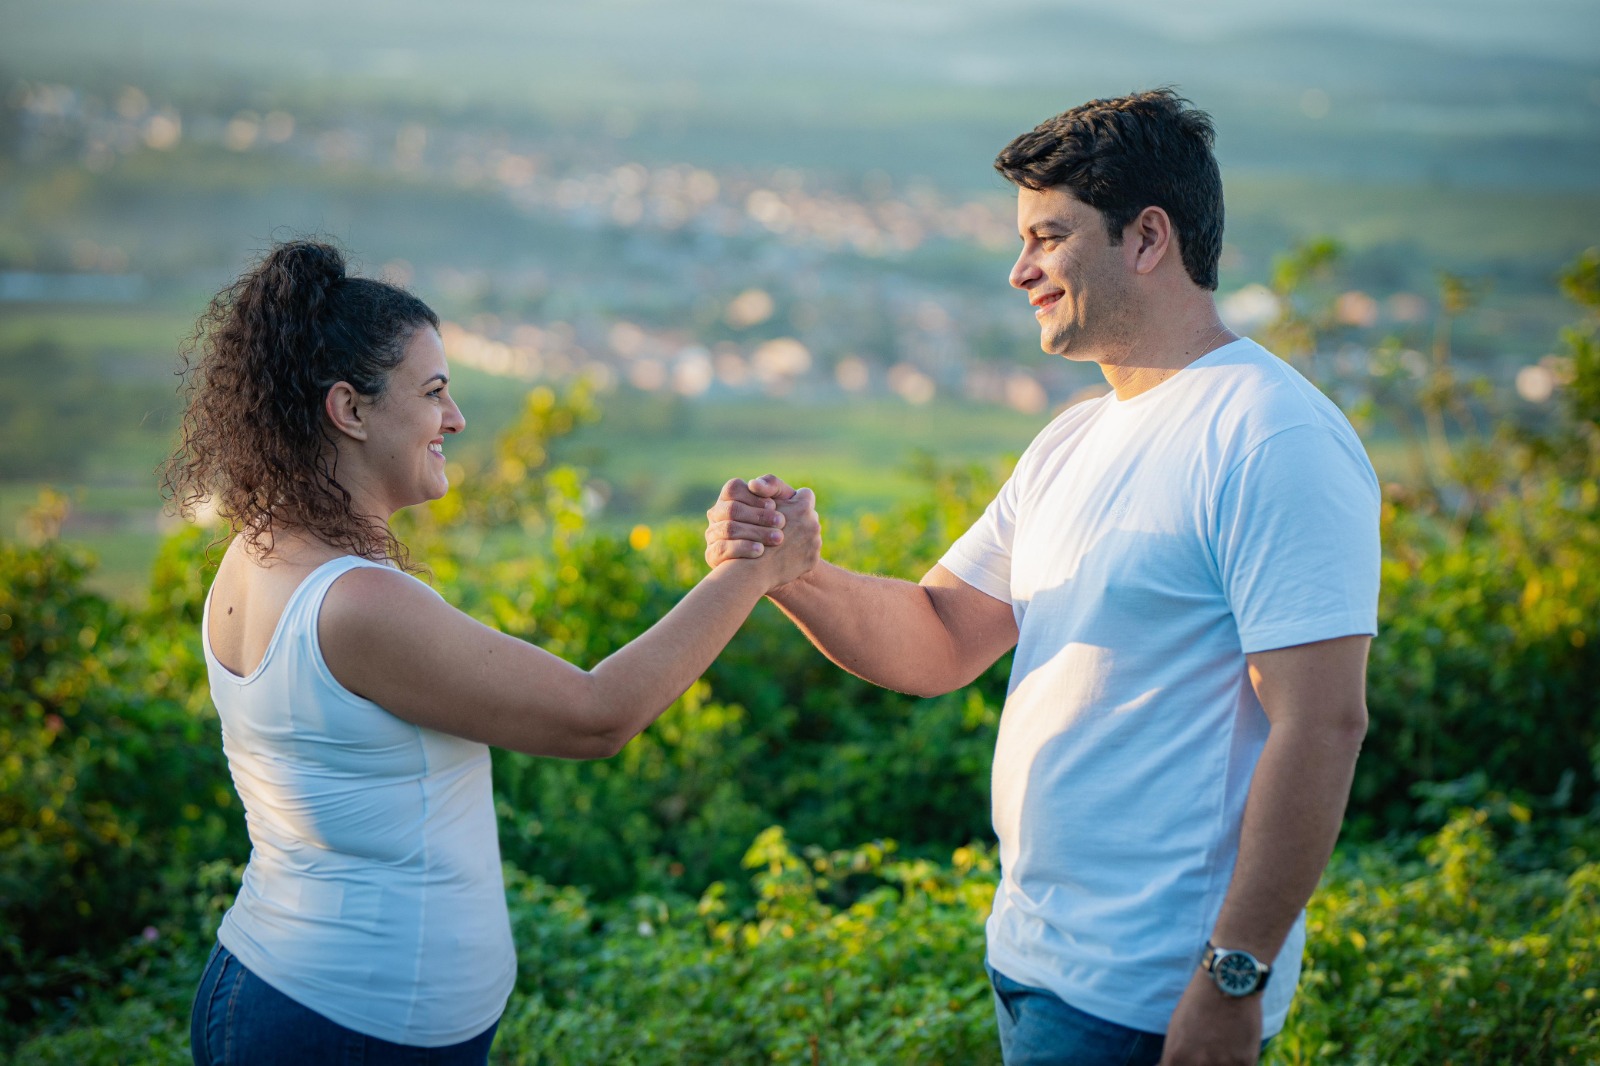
(1023, 272)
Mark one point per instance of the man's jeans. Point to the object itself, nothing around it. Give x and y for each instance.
(1038, 1029)
(240, 1020)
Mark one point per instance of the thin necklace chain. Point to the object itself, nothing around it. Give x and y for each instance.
(1214, 338)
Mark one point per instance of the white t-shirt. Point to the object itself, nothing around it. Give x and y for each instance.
(373, 894)
(1146, 546)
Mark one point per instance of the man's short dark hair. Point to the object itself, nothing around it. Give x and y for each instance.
(1120, 156)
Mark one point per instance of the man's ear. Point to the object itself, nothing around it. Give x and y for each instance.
(343, 407)
(1149, 239)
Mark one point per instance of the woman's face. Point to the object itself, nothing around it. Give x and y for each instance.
(408, 423)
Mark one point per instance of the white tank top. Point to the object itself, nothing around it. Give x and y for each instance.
(373, 893)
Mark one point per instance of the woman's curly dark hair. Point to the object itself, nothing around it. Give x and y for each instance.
(263, 356)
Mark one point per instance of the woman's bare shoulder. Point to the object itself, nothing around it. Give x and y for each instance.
(378, 601)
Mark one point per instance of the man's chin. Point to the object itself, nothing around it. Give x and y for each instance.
(1056, 345)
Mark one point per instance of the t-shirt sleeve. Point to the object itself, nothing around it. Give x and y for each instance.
(1296, 540)
(982, 555)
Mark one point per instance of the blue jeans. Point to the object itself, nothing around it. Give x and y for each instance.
(1038, 1029)
(240, 1020)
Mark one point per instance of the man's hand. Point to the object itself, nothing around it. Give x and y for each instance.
(801, 548)
(746, 519)
(1212, 1029)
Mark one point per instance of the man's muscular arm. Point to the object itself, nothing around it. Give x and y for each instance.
(1315, 698)
(925, 639)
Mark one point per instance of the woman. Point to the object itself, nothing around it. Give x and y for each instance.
(356, 704)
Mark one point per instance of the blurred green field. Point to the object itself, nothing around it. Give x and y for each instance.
(1404, 233)
(858, 455)
(148, 335)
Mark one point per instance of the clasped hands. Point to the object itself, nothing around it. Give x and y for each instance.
(764, 518)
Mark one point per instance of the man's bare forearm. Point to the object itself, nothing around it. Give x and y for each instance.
(1291, 822)
(884, 630)
(1314, 696)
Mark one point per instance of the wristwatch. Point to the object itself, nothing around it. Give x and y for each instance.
(1237, 973)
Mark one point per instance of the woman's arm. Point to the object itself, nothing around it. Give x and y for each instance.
(394, 641)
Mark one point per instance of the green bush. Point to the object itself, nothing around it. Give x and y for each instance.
(111, 789)
(1488, 655)
(773, 734)
(1467, 949)
(853, 957)
(1452, 960)
(844, 957)
(134, 1007)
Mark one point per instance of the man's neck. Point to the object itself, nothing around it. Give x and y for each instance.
(1143, 365)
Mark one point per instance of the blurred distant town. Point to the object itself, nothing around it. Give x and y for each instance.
(667, 277)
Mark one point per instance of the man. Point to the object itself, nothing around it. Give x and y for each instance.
(1188, 569)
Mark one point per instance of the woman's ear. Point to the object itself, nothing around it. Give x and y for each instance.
(343, 407)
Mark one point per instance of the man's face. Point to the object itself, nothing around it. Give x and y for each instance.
(1075, 278)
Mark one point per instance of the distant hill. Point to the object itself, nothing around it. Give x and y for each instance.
(1460, 91)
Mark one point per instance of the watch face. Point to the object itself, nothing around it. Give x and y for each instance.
(1235, 973)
